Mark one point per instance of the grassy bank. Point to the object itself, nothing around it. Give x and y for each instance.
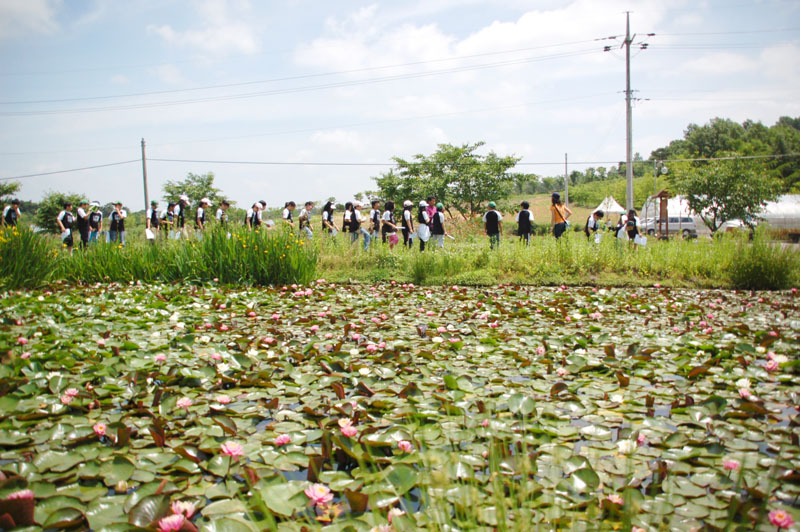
(273, 257)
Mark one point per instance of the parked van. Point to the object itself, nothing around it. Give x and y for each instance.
(684, 225)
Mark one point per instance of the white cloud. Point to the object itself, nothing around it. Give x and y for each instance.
(119, 79)
(226, 29)
(339, 139)
(722, 63)
(19, 17)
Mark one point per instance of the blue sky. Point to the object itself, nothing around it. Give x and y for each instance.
(83, 81)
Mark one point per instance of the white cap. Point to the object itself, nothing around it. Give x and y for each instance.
(407, 203)
(358, 204)
(184, 197)
(206, 201)
(423, 203)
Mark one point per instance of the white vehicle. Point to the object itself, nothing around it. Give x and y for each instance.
(685, 225)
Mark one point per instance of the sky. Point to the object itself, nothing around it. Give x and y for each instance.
(214, 84)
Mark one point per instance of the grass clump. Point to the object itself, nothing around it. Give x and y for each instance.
(762, 265)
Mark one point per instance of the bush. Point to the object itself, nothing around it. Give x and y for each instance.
(762, 265)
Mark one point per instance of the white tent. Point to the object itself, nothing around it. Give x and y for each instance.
(610, 206)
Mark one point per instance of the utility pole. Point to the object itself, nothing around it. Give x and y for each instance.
(144, 178)
(628, 116)
(566, 182)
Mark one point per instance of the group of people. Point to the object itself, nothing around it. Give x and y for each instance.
(171, 221)
(88, 220)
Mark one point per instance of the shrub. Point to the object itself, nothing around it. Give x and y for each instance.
(762, 265)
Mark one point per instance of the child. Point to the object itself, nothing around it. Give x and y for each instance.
(375, 219)
(524, 221)
(288, 209)
(305, 219)
(151, 220)
(11, 214)
(356, 225)
(222, 215)
(437, 226)
(407, 223)
(558, 215)
(65, 220)
(83, 223)
(167, 219)
(180, 214)
(327, 219)
(423, 229)
(632, 226)
(347, 217)
(200, 216)
(593, 225)
(389, 227)
(95, 221)
(117, 227)
(252, 220)
(493, 225)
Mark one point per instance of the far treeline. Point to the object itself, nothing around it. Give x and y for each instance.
(711, 165)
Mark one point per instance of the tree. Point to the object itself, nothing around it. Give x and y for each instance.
(719, 191)
(196, 186)
(52, 203)
(7, 190)
(455, 175)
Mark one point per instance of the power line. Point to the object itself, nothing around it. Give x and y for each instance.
(309, 88)
(304, 76)
(389, 164)
(742, 32)
(70, 170)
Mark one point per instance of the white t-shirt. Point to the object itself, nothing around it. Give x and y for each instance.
(199, 212)
(5, 211)
(387, 217)
(326, 216)
(122, 214)
(220, 213)
(407, 217)
(592, 223)
(81, 212)
(286, 214)
(348, 215)
(61, 215)
(530, 215)
(357, 214)
(249, 215)
(426, 217)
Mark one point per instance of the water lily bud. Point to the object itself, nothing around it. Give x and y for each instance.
(121, 487)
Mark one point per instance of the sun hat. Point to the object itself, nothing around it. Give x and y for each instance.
(357, 204)
(407, 203)
(206, 201)
(184, 197)
(423, 203)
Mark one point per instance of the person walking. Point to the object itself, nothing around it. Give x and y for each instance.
(11, 214)
(222, 213)
(559, 214)
(347, 217)
(200, 217)
(152, 222)
(304, 220)
(437, 226)
(524, 219)
(167, 222)
(357, 228)
(632, 225)
(83, 223)
(493, 225)
(389, 226)
(65, 219)
(251, 218)
(288, 209)
(593, 224)
(375, 219)
(423, 225)
(407, 223)
(327, 219)
(95, 221)
(116, 229)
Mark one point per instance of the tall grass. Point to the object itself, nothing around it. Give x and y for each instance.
(28, 260)
(244, 257)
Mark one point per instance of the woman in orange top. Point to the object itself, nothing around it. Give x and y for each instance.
(559, 215)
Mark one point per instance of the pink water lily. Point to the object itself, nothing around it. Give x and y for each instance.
(371, 348)
(22, 340)
(780, 518)
(615, 499)
(641, 439)
(540, 350)
(232, 449)
(184, 402)
(347, 427)
(318, 494)
(561, 372)
(101, 343)
(216, 356)
(773, 333)
(772, 365)
(314, 328)
(223, 399)
(72, 392)
(744, 393)
(283, 439)
(394, 512)
(161, 357)
(485, 423)
(171, 523)
(184, 508)
(731, 465)
(25, 355)
(21, 494)
(356, 337)
(405, 446)
(99, 429)
(66, 399)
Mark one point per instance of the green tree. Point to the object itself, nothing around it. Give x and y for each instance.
(6, 191)
(196, 186)
(455, 175)
(719, 191)
(52, 203)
